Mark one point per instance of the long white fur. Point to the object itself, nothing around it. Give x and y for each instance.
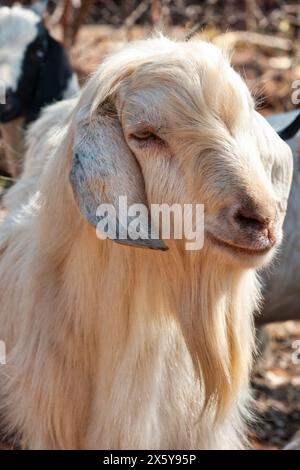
(117, 347)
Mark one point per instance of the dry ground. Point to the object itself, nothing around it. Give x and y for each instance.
(276, 385)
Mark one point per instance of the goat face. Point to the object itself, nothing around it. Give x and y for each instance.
(33, 66)
(167, 122)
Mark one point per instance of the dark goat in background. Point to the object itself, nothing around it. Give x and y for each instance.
(36, 72)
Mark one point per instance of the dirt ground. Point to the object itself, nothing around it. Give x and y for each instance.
(276, 388)
(269, 67)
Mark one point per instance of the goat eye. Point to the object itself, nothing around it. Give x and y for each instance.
(143, 135)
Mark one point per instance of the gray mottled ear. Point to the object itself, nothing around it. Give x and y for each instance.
(39, 7)
(103, 171)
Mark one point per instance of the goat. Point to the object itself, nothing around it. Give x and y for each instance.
(36, 72)
(111, 346)
(282, 282)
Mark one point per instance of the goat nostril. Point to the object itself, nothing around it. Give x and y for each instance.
(252, 222)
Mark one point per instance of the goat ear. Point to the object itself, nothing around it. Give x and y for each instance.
(103, 170)
(54, 75)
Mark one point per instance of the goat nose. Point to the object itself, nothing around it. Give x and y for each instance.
(252, 219)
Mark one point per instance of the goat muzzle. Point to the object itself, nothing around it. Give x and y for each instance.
(247, 229)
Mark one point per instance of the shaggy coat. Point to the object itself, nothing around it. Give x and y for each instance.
(116, 347)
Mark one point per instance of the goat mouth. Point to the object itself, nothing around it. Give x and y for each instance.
(241, 250)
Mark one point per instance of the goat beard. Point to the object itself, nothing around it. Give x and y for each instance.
(214, 305)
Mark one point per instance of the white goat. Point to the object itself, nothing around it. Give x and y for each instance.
(110, 346)
(36, 72)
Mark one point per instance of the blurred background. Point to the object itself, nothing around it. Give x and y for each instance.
(264, 36)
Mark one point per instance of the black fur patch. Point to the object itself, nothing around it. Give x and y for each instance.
(45, 74)
(291, 130)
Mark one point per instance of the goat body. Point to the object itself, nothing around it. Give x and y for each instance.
(112, 346)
